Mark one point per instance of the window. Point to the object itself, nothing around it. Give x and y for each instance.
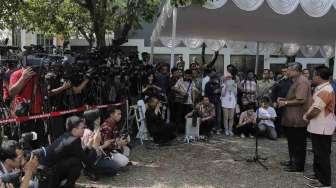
(46, 42)
(164, 58)
(246, 63)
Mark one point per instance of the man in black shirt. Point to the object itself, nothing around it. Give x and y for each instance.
(66, 155)
(280, 90)
(157, 128)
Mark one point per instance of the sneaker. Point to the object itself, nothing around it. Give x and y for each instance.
(242, 136)
(317, 184)
(218, 132)
(251, 136)
(310, 177)
(231, 133)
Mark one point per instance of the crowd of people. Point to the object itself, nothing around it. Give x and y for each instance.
(227, 104)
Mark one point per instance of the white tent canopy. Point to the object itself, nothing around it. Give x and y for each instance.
(306, 25)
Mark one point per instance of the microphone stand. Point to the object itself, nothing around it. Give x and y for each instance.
(256, 158)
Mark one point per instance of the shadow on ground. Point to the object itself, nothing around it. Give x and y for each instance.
(221, 162)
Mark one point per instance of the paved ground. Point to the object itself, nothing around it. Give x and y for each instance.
(218, 163)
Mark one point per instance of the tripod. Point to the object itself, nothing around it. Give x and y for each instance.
(256, 158)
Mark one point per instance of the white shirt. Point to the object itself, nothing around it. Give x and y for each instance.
(325, 122)
(205, 80)
(269, 113)
(228, 94)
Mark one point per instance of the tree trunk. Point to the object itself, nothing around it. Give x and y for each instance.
(99, 30)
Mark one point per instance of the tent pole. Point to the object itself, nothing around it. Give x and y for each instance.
(173, 38)
(334, 69)
(257, 60)
(151, 59)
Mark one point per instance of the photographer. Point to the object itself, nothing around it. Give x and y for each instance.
(158, 129)
(105, 165)
(11, 158)
(10, 68)
(116, 144)
(213, 92)
(28, 89)
(76, 95)
(30, 168)
(162, 77)
(65, 156)
(150, 87)
(186, 94)
(206, 111)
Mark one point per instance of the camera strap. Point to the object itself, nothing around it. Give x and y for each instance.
(32, 100)
(190, 84)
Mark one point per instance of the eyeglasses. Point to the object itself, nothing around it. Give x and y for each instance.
(82, 126)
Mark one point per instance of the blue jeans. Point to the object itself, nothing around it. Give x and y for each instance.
(111, 166)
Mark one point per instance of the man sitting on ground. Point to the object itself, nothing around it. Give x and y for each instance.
(157, 128)
(206, 111)
(118, 149)
(267, 115)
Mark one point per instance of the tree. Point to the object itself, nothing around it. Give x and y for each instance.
(91, 18)
(9, 15)
(119, 16)
(57, 17)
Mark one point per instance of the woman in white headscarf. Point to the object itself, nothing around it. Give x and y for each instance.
(229, 102)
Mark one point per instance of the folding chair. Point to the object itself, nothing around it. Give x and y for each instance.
(192, 131)
(140, 112)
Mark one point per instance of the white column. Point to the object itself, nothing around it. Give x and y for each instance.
(23, 39)
(151, 52)
(334, 71)
(257, 60)
(267, 64)
(173, 38)
(227, 58)
(186, 57)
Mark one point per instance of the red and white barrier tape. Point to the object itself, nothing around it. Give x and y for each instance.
(56, 113)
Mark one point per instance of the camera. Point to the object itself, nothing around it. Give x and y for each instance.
(13, 178)
(24, 142)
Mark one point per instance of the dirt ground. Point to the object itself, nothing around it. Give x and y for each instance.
(221, 162)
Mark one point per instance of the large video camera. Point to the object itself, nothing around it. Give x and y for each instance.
(13, 178)
(24, 142)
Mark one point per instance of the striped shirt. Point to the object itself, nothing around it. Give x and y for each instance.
(324, 100)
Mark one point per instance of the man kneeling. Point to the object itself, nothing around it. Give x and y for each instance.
(157, 128)
(206, 111)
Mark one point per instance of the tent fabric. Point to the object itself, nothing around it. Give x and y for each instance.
(309, 50)
(314, 8)
(327, 51)
(288, 26)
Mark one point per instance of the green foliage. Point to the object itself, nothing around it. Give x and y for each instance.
(9, 13)
(91, 18)
(54, 17)
(186, 2)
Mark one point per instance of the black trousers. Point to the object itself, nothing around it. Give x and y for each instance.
(182, 110)
(206, 127)
(164, 134)
(69, 169)
(322, 150)
(290, 152)
(297, 144)
(247, 129)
